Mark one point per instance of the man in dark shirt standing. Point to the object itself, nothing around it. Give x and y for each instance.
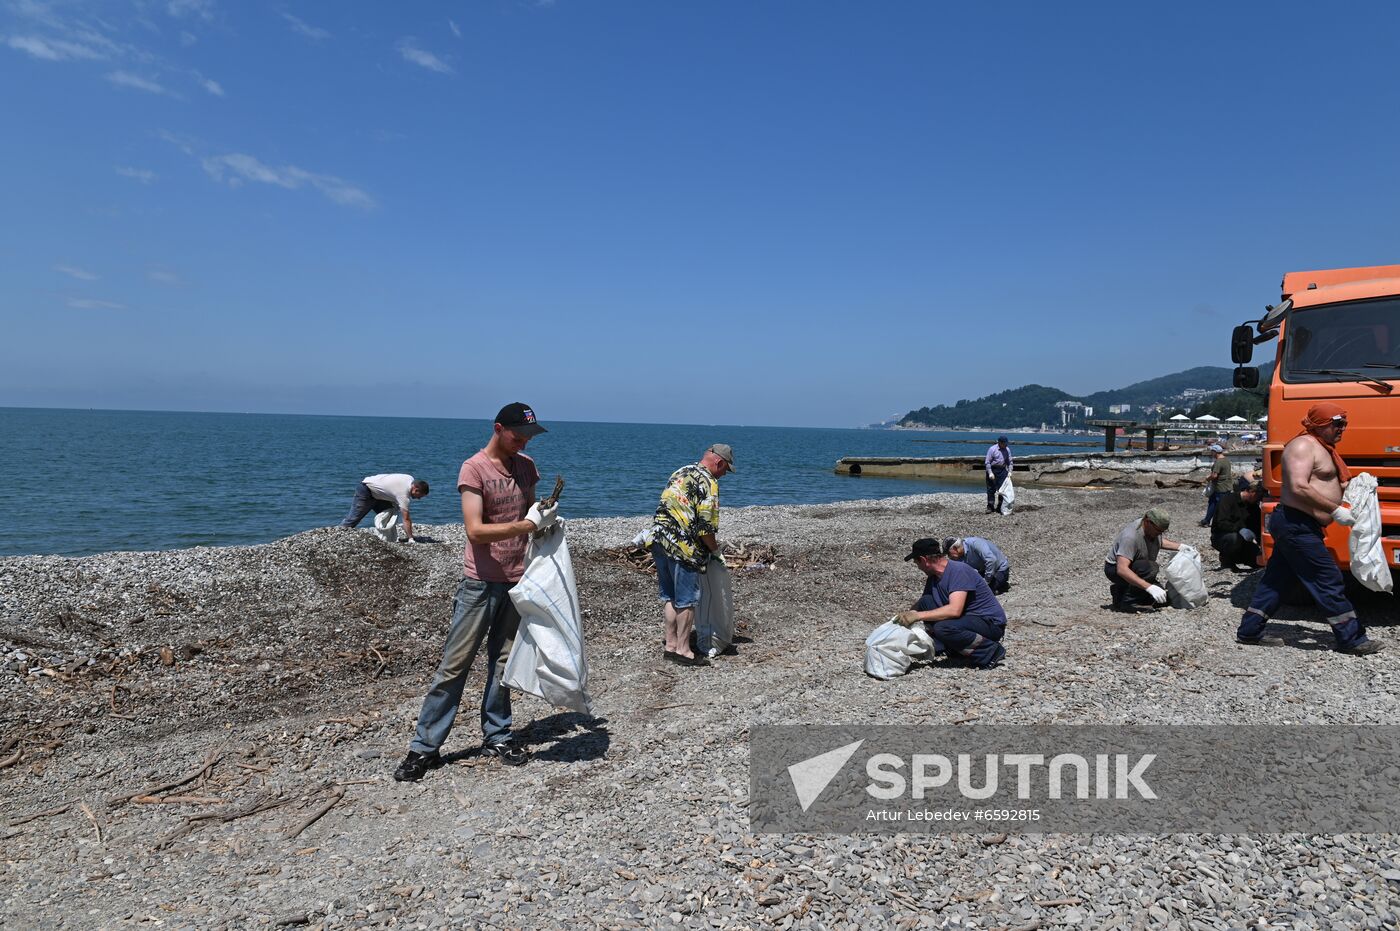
(1235, 530)
(958, 608)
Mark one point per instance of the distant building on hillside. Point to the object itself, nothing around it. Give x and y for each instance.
(1120, 408)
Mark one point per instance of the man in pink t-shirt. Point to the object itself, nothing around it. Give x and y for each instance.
(497, 486)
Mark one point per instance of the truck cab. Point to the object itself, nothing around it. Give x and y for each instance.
(1338, 333)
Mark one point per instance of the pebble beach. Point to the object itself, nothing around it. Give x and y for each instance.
(203, 738)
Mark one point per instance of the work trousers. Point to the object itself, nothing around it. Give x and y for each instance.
(972, 637)
(364, 502)
(1000, 580)
(480, 611)
(1235, 549)
(1119, 590)
(993, 484)
(1300, 554)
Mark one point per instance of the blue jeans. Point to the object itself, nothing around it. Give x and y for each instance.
(1299, 553)
(364, 502)
(1212, 502)
(677, 584)
(480, 611)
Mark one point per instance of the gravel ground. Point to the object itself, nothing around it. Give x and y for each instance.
(295, 670)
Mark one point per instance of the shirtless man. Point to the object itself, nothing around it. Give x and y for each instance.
(1313, 478)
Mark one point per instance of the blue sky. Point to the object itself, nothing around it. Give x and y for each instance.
(721, 212)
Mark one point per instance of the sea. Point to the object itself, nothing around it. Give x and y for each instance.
(94, 481)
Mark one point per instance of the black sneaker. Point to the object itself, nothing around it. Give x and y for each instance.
(1263, 640)
(508, 753)
(416, 765)
(1364, 648)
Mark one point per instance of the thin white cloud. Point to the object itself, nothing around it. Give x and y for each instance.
(183, 143)
(236, 168)
(213, 87)
(54, 49)
(203, 9)
(301, 26)
(455, 30)
(162, 276)
(127, 79)
(409, 49)
(74, 272)
(87, 303)
(136, 174)
(188, 38)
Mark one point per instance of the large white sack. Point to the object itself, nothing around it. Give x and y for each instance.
(1367, 555)
(892, 648)
(386, 525)
(547, 659)
(714, 617)
(1006, 495)
(1185, 585)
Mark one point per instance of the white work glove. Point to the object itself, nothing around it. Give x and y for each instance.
(408, 540)
(1342, 515)
(990, 476)
(1247, 534)
(542, 517)
(719, 558)
(1158, 593)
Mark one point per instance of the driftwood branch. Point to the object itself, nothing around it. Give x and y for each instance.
(202, 770)
(337, 794)
(47, 813)
(9, 761)
(92, 816)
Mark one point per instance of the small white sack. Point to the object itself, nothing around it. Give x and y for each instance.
(1185, 585)
(1006, 495)
(547, 659)
(386, 525)
(1367, 555)
(892, 648)
(714, 617)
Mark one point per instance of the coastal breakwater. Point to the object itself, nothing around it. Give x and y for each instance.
(1155, 468)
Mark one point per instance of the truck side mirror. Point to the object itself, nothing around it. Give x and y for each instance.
(1246, 376)
(1242, 345)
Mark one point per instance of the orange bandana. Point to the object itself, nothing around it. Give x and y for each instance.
(1320, 416)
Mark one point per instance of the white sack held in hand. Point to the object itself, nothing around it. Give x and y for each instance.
(547, 659)
(1367, 555)
(714, 616)
(386, 525)
(892, 648)
(1006, 495)
(1186, 586)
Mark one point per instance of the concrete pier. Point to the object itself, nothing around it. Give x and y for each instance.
(1137, 467)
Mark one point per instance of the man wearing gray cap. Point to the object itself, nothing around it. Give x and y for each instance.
(1132, 561)
(683, 543)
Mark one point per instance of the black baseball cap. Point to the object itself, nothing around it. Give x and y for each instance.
(928, 546)
(521, 419)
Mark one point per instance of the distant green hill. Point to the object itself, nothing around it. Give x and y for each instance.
(1033, 405)
(1158, 390)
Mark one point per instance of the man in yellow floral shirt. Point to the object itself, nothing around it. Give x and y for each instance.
(683, 542)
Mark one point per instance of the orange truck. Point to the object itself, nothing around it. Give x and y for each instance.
(1338, 335)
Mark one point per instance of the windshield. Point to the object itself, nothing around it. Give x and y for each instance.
(1363, 337)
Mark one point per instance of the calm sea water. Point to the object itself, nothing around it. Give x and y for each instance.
(94, 481)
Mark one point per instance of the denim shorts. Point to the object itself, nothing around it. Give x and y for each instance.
(678, 585)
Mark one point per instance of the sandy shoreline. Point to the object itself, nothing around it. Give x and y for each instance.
(301, 664)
